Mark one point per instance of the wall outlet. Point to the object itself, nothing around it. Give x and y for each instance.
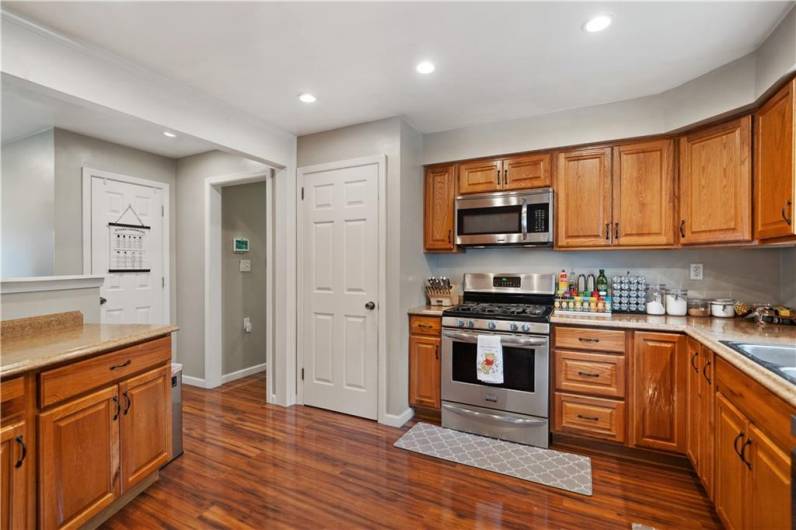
(245, 265)
(696, 271)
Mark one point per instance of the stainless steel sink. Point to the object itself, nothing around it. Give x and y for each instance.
(779, 358)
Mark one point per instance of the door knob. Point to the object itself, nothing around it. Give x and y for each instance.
(103, 300)
(370, 306)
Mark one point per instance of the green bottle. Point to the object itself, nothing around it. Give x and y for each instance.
(602, 284)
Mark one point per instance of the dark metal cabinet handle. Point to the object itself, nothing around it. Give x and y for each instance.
(436, 352)
(121, 365)
(682, 228)
(128, 403)
(588, 339)
(23, 451)
(616, 230)
(588, 374)
(590, 418)
(607, 231)
(118, 408)
(693, 364)
(425, 326)
(784, 215)
(705, 372)
(450, 236)
(743, 453)
(735, 443)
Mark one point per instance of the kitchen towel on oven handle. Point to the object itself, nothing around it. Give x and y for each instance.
(489, 359)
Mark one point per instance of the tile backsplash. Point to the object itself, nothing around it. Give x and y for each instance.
(752, 275)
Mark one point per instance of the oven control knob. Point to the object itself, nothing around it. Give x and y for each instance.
(470, 324)
(526, 328)
(491, 325)
(460, 323)
(514, 327)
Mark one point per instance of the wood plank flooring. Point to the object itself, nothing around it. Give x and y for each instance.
(251, 465)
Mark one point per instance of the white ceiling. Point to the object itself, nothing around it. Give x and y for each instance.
(495, 61)
(28, 109)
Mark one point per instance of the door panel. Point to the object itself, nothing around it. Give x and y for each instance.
(525, 172)
(583, 198)
(695, 427)
(134, 297)
(775, 178)
(145, 437)
(643, 194)
(340, 266)
(440, 198)
(480, 176)
(716, 184)
(707, 418)
(79, 459)
(424, 371)
(659, 379)
(13, 477)
(769, 499)
(730, 470)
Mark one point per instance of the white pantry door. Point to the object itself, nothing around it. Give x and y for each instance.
(339, 276)
(134, 297)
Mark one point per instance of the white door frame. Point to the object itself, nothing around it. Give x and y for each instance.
(212, 288)
(381, 358)
(88, 174)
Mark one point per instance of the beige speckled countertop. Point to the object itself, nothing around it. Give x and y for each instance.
(429, 310)
(709, 331)
(33, 352)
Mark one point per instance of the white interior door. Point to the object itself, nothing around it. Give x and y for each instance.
(134, 296)
(339, 282)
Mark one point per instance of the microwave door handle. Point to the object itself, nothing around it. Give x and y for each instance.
(524, 219)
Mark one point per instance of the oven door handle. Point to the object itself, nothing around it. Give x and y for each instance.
(505, 341)
(494, 417)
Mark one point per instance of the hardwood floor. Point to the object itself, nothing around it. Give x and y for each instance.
(251, 465)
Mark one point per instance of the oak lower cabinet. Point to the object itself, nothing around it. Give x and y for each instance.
(424, 361)
(13, 476)
(775, 167)
(716, 184)
(439, 198)
(699, 413)
(658, 395)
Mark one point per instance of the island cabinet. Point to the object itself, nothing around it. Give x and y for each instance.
(439, 210)
(752, 444)
(532, 170)
(699, 413)
(775, 172)
(424, 361)
(716, 184)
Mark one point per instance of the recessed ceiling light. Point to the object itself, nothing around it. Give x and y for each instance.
(425, 67)
(307, 98)
(597, 23)
(169, 134)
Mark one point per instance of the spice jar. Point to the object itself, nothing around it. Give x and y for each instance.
(677, 302)
(698, 307)
(656, 302)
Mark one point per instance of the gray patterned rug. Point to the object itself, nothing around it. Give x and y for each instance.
(552, 468)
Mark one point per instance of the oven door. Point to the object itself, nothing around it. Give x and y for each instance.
(509, 218)
(525, 373)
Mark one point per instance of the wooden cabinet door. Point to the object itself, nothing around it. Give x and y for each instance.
(643, 194)
(440, 197)
(775, 175)
(693, 407)
(78, 459)
(145, 426)
(525, 172)
(707, 421)
(716, 184)
(480, 176)
(730, 473)
(583, 198)
(13, 477)
(768, 490)
(658, 398)
(424, 371)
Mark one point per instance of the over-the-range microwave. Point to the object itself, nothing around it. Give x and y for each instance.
(519, 218)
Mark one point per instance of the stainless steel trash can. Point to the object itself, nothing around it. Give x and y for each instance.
(176, 410)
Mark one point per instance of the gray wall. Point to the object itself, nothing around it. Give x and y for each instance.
(28, 209)
(190, 247)
(406, 265)
(243, 293)
(788, 277)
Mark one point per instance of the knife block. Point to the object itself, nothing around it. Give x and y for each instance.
(442, 297)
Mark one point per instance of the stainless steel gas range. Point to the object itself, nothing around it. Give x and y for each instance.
(517, 308)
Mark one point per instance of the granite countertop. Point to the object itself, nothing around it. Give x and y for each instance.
(429, 310)
(709, 331)
(35, 351)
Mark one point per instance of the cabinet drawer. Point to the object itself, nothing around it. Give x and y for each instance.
(610, 340)
(419, 325)
(599, 418)
(74, 379)
(590, 373)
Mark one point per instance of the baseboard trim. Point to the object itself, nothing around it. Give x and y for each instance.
(398, 420)
(194, 381)
(256, 369)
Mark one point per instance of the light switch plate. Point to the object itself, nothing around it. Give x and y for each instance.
(696, 271)
(245, 265)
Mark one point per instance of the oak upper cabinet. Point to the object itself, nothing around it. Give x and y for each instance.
(440, 196)
(13, 477)
(716, 184)
(659, 377)
(424, 361)
(79, 459)
(528, 171)
(775, 174)
(583, 198)
(145, 433)
(643, 194)
(480, 176)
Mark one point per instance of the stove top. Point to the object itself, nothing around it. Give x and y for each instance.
(498, 311)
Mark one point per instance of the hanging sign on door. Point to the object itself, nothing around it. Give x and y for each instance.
(127, 245)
